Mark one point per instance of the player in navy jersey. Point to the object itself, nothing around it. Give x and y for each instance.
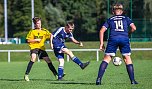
(118, 37)
(57, 44)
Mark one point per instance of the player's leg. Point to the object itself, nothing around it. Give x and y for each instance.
(51, 66)
(102, 68)
(126, 52)
(60, 56)
(29, 66)
(130, 68)
(109, 52)
(44, 55)
(60, 68)
(75, 59)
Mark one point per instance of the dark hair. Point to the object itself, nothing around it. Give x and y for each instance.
(35, 19)
(70, 23)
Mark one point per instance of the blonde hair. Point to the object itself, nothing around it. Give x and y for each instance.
(117, 6)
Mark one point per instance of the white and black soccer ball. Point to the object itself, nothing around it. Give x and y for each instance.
(117, 61)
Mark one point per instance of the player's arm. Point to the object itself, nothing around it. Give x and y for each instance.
(33, 40)
(51, 39)
(30, 38)
(76, 42)
(133, 28)
(101, 36)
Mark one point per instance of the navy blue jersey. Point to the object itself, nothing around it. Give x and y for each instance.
(118, 25)
(59, 36)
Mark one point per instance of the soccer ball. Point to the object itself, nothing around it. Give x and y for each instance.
(117, 61)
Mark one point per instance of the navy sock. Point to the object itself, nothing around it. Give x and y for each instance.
(77, 61)
(29, 66)
(102, 69)
(52, 68)
(60, 72)
(130, 70)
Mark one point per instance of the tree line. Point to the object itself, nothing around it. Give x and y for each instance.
(88, 15)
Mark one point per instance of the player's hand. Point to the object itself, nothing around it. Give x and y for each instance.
(37, 40)
(102, 47)
(80, 44)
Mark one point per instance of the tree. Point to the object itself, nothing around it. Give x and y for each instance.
(54, 16)
(1, 20)
(88, 15)
(40, 12)
(19, 17)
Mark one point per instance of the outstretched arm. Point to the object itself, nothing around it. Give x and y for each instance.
(76, 42)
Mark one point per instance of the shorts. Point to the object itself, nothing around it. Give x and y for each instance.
(122, 43)
(39, 52)
(58, 52)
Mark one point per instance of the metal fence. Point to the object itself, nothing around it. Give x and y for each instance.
(94, 50)
(144, 30)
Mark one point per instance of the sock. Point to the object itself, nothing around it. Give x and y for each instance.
(60, 72)
(130, 70)
(30, 64)
(102, 69)
(52, 68)
(77, 61)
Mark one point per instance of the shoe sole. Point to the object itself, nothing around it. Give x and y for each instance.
(86, 65)
(26, 79)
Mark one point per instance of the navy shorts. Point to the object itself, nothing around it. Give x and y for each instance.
(122, 43)
(39, 52)
(58, 52)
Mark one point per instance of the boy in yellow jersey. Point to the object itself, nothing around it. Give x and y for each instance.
(36, 39)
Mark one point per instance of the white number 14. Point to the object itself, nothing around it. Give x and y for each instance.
(119, 25)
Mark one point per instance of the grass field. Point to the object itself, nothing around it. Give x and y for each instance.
(11, 74)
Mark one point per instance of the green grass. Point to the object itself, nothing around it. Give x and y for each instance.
(11, 76)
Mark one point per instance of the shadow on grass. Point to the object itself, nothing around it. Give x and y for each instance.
(50, 81)
(71, 82)
(11, 79)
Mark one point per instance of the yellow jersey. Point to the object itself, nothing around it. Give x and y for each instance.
(42, 34)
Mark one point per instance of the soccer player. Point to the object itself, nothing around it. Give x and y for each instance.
(57, 44)
(118, 25)
(36, 39)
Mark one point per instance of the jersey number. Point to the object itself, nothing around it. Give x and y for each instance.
(119, 25)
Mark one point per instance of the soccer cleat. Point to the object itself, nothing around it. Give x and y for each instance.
(56, 76)
(63, 74)
(60, 79)
(84, 65)
(26, 78)
(134, 82)
(98, 81)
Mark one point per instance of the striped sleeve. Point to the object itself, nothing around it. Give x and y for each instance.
(71, 35)
(57, 31)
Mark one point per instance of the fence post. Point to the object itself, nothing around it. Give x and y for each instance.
(67, 58)
(97, 55)
(9, 58)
